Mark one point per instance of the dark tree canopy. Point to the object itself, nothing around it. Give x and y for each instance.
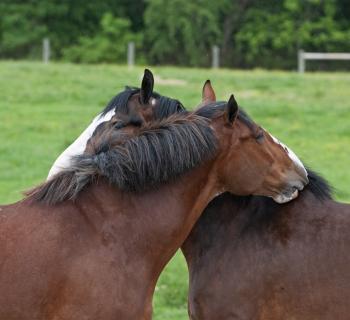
(250, 33)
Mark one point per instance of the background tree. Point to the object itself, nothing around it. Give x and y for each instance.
(23, 23)
(250, 33)
(107, 45)
(271, 38)
(180, 32)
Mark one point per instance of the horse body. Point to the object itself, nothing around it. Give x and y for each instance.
(262, 261)
(88, 259)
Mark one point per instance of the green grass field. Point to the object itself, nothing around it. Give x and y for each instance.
(43, 108)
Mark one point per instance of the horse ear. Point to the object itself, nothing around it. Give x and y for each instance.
(208, 94)
(231, 109)
(147, 86)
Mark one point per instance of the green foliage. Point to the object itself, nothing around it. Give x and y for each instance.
(180, 32)
(15, 22)
(108, 45)
(272, 38)
(23, 23)
(266, 33)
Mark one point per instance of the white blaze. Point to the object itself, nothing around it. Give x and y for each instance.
(79, 145)
(290, 154)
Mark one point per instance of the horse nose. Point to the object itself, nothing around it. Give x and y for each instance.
(298, 180)
(303, 177)
(298, 185)
(305, 180)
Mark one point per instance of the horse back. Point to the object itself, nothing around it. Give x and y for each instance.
(291, 264)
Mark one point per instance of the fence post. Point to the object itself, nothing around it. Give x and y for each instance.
(301, 61)
(46, 50)
(131, 54)
(215, 57)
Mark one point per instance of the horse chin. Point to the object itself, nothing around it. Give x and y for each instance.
(284, 198)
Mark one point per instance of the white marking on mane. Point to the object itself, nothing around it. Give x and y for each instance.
(290, 154)
(78, 146)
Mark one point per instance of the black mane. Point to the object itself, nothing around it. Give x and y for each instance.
(158, 153)
(165, 107)
(120, 102)
(319, 186)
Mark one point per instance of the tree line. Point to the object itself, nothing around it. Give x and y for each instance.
(250, 33)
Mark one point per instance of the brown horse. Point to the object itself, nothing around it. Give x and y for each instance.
(138, 105)
(91, 242)
(250, 258)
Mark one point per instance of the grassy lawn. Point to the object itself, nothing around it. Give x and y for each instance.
(44, 107)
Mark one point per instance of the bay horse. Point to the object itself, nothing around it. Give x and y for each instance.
(249, 258)
(90, 242)
(138, 104)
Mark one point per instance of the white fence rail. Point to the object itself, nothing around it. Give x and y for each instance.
(303, 56)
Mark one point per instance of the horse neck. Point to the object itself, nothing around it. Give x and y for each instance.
(153, 223)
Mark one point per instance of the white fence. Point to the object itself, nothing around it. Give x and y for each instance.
(303, 56)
